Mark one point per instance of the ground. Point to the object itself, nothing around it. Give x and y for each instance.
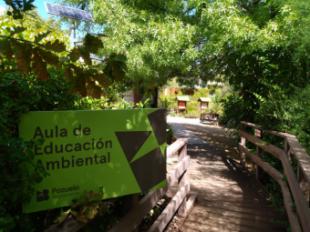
(229, 197)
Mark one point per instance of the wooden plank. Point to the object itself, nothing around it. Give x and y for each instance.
(188, 205)
(249, 124)
(177, 177)
(301, 203)
(301, 155)
(69, 225)
(136, 215)
(176, 146)
(258, 133)
(173, 176)
(183, 152)
(242, 155)
(162, 221)
(273, 150)
(277, 176)
(255, 126)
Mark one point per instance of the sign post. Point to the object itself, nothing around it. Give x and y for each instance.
(111, 152)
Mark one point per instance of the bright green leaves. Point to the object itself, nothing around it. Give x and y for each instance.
(115, 67)
(265, 59)
(41, 36)
(152, 36)
(55, 46)
(31, 45)
(92, 43)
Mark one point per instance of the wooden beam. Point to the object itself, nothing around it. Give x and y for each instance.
(278, 177)
(176, 146)
(162, 221)
(298, 151)
(188, 205)
(301, 155)
(136, 214)
(183, 152)
(173, 177)
(299, 198)
(69, 225)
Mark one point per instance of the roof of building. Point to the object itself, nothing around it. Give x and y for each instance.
(182, 98)
(204, 99)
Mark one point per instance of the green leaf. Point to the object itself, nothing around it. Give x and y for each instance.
(49, 57)
(5, 48)
(17, 30)
(55, 46)
(39, 66)
(22, 53)
(39, 37)
(75, 54)
(92, 43)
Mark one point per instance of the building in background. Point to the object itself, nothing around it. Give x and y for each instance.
(204, 103)
(182, 103)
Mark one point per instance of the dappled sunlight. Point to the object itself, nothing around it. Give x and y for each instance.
(228, 197)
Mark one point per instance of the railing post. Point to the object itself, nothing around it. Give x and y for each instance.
(258, 170)
(183, 151)
(242, 154)
(259, 134)
(286, 148)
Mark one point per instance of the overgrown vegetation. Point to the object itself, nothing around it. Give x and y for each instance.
(260, 47)
(20, 94)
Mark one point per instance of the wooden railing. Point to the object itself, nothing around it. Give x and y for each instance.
(177, 189)
(294, 186)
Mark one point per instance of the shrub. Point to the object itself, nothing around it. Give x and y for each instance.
(18, 95)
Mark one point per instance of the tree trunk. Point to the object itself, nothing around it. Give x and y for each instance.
(154, 103)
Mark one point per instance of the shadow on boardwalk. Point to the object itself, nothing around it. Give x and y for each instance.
(229, 199)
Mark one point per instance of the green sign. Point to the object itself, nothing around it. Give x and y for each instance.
(111, 152)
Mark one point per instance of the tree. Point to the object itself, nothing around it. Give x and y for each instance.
(260, 47)
(31, 45)
(154, 37)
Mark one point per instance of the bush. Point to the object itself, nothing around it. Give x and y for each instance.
(289, 113)
(18, 95)
(168, 102)
(234, 111)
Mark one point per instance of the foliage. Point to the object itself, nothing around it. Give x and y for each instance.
(104, 103)
(288, 113)
(235, 110)
(261, 47)
(33, 46)
(193, 106)
(20, 94)
(263, 53)
(18, 7)
(153, 36)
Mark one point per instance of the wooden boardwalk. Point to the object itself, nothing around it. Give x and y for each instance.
(229, 199)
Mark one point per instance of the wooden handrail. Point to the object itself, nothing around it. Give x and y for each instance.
(303, 160)
(293, 147)
(278, 177)
(176, 146)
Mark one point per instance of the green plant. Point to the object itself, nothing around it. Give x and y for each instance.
(18, 95)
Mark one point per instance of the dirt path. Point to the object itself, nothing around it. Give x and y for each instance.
(229, 199)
